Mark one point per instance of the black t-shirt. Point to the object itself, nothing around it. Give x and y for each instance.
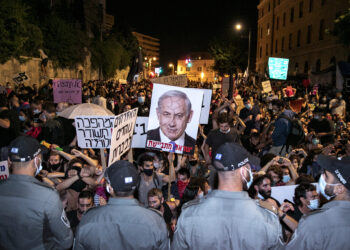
(73, 219)
(296, 214)
(8, 134)
(216, 138)
(143, 110)
(322, 126)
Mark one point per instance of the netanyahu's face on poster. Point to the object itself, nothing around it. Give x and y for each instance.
(174, 112)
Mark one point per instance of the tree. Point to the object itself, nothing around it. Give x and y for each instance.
(342, 28)
(229, 58)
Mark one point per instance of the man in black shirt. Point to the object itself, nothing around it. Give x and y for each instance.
(9, 123)
(322, 127)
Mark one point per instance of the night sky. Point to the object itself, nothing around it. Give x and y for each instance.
(184, 26)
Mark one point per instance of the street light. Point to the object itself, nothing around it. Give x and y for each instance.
(172, 68)
(238, 27)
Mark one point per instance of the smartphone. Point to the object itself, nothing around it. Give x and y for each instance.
(280, 160)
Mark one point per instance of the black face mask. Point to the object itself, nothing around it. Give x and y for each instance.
(148, 172)
(54, 167)
(193, 163)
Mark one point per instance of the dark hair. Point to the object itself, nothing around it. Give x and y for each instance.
(224, 118)
(49, 107)
(258, 179)
(184, 171)
(300, 191)
(124, 193)
(266, 158)
(3, 100)
(304, 178)
(277, 170)
(73, 161)
(144, 157)
(86, 194)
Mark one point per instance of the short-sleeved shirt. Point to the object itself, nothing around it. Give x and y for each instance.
(216, 138)
(145, 186)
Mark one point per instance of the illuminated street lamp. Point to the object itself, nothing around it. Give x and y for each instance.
(172, 68)
(239, 27)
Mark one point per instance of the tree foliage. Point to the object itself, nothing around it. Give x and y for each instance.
(342, 28)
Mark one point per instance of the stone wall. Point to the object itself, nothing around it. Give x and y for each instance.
(29, 72)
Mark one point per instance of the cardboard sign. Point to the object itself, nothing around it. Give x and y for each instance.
(67, 90)
(4, 170)
(20, 78)
(94, 131)
(266, 85)
(205, 106)
(174, 119)
(140, 132)
(123, 131)
(174, 80)
(285, 192)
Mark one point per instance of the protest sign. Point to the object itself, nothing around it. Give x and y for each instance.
(205, 106)
(67, 90)
(123, 130)
(281, 193)
(140, 132)
(4, 170)
(266, 85)
(94, 131)
(174, 119)
(174, 80)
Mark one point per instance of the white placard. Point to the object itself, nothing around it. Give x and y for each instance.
(94, 131)
(122, 134)
(174, 129)
(285, 192)
(140, 132)
(266, 85)
(4, 170)
(174, 80)
(205, 106)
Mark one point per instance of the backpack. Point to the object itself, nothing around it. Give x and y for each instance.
(296, 134)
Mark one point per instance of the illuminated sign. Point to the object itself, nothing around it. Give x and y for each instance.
(278, 68)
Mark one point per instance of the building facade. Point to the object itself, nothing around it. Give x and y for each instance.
(150, 50)
(297, 29)
(198, 68)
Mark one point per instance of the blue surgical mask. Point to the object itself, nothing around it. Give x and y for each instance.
(315, 141)
(21, 118)
(314, 204)
(248, 106)
(322, 185)
(250, 176)
(286, 178)
(141, 99)
(36, 111)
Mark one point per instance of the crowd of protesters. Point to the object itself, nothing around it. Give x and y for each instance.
(257, 124)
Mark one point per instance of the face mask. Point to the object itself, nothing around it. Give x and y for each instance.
(315, 141)
(322, 184)
(248, 106)
(38, 169)
(108, 189)
(201, 195)
(313, 204)
(251, 178)
(148, 172)
(156, 164)
(36, 111)
(141, 99)
(286, 178)
(317, 117)
(225, 132)
(209, 190)
(54, 167)
(193, 163)
(21, 118)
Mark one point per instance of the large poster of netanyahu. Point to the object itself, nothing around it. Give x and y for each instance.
(174, 119)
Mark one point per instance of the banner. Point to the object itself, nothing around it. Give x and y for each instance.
(285, 192)
(174, 119)
(67, 90)
(140, 132)
(174, 80)
(123, 130)
(4, 170)
(266, 85)
(94, 131)
(20, 78)
(205, 106)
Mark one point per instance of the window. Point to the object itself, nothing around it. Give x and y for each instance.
(306, 67)
(267, 50)
(284, 19)
(333, 61)
(318, 65)
(311, 5)
(181, 68)
(188, 68)
(282, 44)
(276, 46)
(269, 7)
(290, 41)
(296, 67)
(277, 22)
(261, 32)
(298, 38)
(199, 69)
(321, 31)
(309, 29)
(301, 6)
(323, 2)
(278, 2)
(292, 15)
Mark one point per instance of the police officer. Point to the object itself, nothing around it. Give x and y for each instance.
(32, 216)
(328, 227)
(228, 218)
(122, 223)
